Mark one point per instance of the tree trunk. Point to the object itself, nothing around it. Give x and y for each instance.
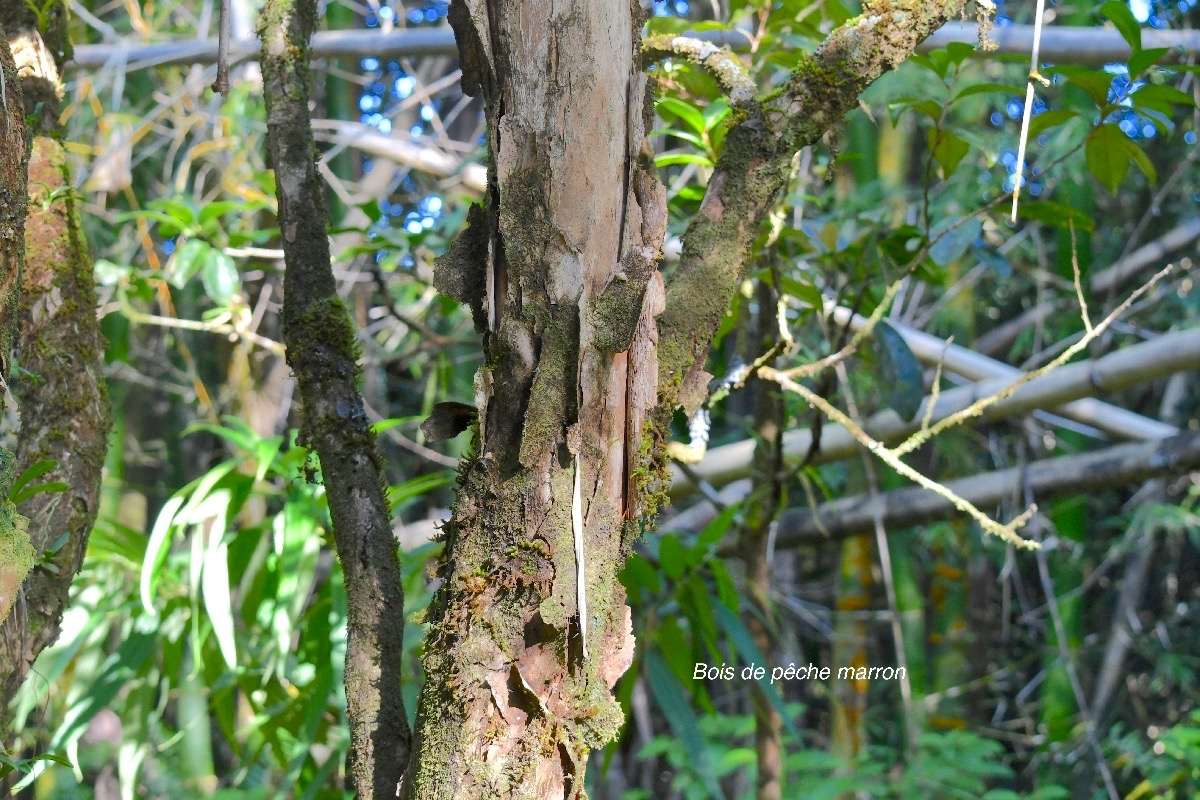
(16, 553)
(64, 406)
(323, 352)
(529, 630)
(528, 635)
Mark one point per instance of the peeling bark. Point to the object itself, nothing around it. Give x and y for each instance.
(322, 351)
(559, 265)
(575, 220)
(564, 284)
(65, 415)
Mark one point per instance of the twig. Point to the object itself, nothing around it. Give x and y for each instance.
(1007, 533)
(976, 408)
(1083, 309)
(221, 84)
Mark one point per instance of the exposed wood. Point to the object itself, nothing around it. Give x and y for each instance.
(529, 632)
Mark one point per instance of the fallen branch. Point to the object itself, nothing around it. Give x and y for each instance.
(1066, 45)
(1170, 353)
(1054, 477)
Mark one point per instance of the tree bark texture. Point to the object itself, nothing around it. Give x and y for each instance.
(16, 552)
(63, 401)
(526, 638)
(529, 630)
(322, 352)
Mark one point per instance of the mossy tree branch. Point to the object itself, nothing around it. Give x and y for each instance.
(322, 351)
(754, 165)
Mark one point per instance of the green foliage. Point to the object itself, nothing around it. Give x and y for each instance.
(243, 622)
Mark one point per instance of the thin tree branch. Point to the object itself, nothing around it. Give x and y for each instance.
(1172, 352)
(1113, 420)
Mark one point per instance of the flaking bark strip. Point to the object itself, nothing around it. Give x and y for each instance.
(461, 272)
(553, 396)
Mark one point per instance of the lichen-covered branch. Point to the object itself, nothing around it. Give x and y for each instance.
(64, 407)
(753, 167)
(720, 62)
(322, 351)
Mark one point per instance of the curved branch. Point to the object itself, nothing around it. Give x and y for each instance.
(719, 62)
(754, 166)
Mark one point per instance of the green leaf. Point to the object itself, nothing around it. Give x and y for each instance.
(218, 209)
(186, 261)
(639, 575)
(671, 159)
(49, 487)
(1142, 60)
(715, 531)
(157, 548)
(1049, 119)
(672, 701)
(687, 136)
(400, 493)
(988, 88)
(1057, 214)
(739, 636)
(118, 670)
(902, 376)
(214, 584)
(671, 556)
(715, 112)
(1161, 97)
(220, 277)
(803, 290)
(948, 150)
(1107, 158)
(1124, 21)
(34, 471)
(687, 113)
(1094, 82)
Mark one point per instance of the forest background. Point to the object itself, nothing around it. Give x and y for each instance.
(202, 652)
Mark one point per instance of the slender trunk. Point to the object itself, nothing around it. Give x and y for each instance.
(770, 414)
(323, 353)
